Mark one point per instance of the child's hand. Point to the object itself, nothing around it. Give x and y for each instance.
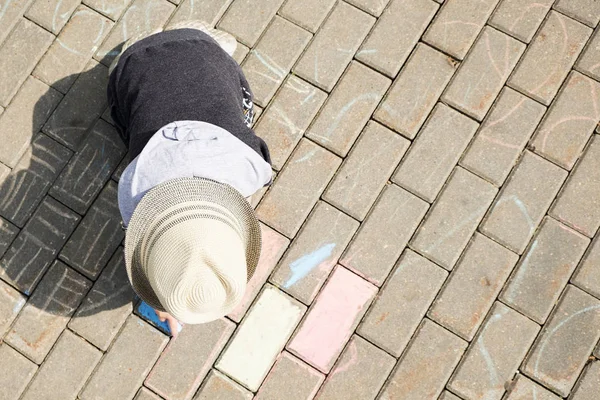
(174, 325)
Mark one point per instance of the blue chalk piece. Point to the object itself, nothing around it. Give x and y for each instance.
(148, 313)
(302, 266)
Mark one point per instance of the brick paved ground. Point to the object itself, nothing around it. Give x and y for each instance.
(432, 231)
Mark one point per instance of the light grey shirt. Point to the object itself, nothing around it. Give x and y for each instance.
(191, 149)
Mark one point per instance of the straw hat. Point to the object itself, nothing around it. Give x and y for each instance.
(191, 246)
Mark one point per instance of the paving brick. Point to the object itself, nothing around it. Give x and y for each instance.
(24, 117)
(446, 395)
(326, 59)
(256, 198)
(260, 338)
(91, 167)
(402, 303)
(240, 53)
(298, 188)
(570, 121)
(566, 129)
(287, 117)
(416, 90)
(586, 11)
(19, 54)
(332, 319)
(314, 252)
(97, 236)
(273, 246)
(589, 62)
(426, 366)
(116, 176)
(219, 387)
(107, 305)
(577, 204)
(255, 19)
(15, 372)
(564, 346)
(72, 49)
(66, 369)
(257, 112)
(541, 72)
(481, 272)
(290, 378)
(361, 370)
(52, 15)
(435, 152)
(524, 200)
(454, 217)
(373, 7)
(348, 108)
(11, 15)
(111, 8)
(23, 189)
(362, 176)
(37, 244)
(545, 270)
(484, 72)
(392, 222)
(495, 355)
(503, 136)
(141, 16)
(587, 276)
(589, 383)
(11, 302)
(47, 312)
(82, 105)
(404, 20)
(4, 170)
(525, 389)
(207, 11)
(207, 341)
(270, 61)
(127, 363)
(309, 14)
(520, 18)
(457, 25)
(145, 394)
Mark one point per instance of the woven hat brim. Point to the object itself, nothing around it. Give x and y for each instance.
(181, 190)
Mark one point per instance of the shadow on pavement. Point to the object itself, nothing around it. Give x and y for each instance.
(62, 195)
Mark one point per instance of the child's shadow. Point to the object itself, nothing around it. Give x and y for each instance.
(61, 201)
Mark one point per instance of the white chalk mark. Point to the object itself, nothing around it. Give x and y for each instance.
(344, 110)
(269, 64)
(69, 49)
(306, 157)
(516, 281)
(556, 329)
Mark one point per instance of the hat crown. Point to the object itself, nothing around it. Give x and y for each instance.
(173, 223)
(197, 267)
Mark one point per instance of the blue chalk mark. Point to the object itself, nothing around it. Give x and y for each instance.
(302, 266)
(18, 305)
(148, 313)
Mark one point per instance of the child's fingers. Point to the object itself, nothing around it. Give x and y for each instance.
(173, 327)
(160, 316)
